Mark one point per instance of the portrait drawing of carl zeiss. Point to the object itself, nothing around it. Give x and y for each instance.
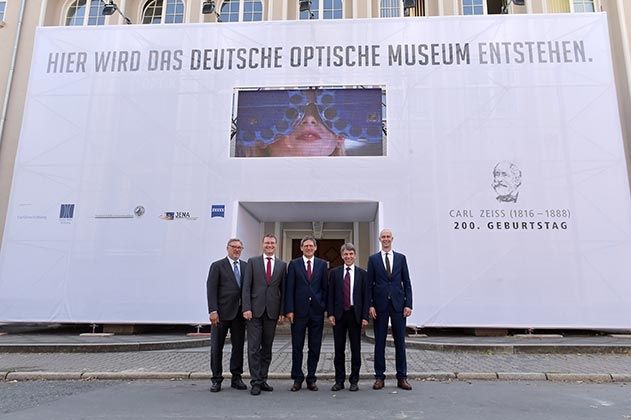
(506, 182)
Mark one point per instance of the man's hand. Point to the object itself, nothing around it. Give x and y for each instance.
(214, 318)
(364, 323)
(372, 313)
(332, 320)
(281, 319)
(290, 317)
(247, 315)
(407, 312)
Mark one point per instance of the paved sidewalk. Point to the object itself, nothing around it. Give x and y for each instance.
(449, 359)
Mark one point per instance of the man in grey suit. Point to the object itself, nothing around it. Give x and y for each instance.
(223, 290)
(263, 291)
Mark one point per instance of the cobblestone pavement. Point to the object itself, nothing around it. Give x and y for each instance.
(196, 361)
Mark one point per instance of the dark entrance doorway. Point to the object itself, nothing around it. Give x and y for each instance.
(328, 249)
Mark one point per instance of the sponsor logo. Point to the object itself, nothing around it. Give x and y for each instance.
(177, 215)
(138, 211)
(26, 211)
(217, 210)
(66, 213)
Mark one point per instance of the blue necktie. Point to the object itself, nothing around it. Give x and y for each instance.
(237, 273)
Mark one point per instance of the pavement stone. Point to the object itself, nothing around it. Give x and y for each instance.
(522, 376)
(470, 376)
(423, 363)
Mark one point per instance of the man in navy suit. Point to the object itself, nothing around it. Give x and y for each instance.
(223, 290)
(390, 297)
(348, 314)
(305, 303)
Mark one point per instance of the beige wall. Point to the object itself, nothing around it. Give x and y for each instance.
(619, 14)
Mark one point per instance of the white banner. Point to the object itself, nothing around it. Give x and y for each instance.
(502, 173)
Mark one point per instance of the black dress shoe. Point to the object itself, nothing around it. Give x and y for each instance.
(337, 387)
(256, 390)
(296, 386)
(354, 387)
(265, 387)
(237, 383)
(311, 386)
(216, 387)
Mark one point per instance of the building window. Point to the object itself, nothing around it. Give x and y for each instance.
(252, 11)
(81, 12)
(558, 6)
(584, 6)
(567, 6)
(230, 11)
(3, 5)
(390, 8)
(325, 9)
(154, 10)
(472, 7)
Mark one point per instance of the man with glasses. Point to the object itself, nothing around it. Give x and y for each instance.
(223, 289)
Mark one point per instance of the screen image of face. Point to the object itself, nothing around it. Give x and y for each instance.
(309, 122)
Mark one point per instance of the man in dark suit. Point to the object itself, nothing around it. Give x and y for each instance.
(348, 314)
(390, 297)
(305, 303)
(223, 290)
(263, 291)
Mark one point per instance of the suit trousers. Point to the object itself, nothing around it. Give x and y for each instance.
(261, 333)
(398, 333)
(312, 325)
(347, 324)
(217, 341)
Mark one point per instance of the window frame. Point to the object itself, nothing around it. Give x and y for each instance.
(381, 8)
(320, 9)
(86, 18)
(241, 13)
(144, 5)
(596, 3)
(485, 9)
(4, 12)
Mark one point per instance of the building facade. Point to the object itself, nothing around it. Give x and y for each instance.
(19, 20)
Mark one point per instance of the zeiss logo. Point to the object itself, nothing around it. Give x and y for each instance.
(66, 212)
(217, 210)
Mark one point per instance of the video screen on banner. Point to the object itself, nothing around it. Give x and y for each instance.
(309, 122)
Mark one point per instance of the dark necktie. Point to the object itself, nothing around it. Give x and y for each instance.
(309, 270)
(268, 271)
(347, 289)
(237, 273)
(388, 268)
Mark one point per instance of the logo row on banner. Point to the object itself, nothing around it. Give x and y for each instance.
(67, 214)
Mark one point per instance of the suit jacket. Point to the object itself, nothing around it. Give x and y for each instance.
(257, 295)
(395, 288)
(302, 295)
(222, 290)
(336, 293)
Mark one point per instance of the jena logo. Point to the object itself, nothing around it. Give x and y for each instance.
(177, 215)
(66, 213)
(217, 210)
(506, 182)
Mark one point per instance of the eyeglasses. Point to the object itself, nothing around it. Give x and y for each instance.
(236, 246)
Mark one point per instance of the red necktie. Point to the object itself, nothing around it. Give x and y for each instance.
(268, 271)
(347, 289)
(309, 270)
